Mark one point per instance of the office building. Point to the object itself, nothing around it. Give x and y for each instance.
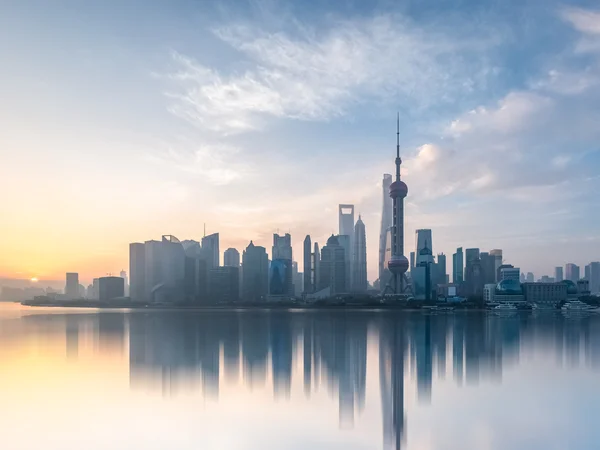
(281, 266)
(297, 280)
(423, 275)
(111, 288)
(510, 273)
(316, 259)
(255, 273)
(545, 293)
(474, 276)
(489, 291)
(72, 285)
(123, 275)
(488, 264)
(231, 258)
(196, 279)
(224, 284)
(281, 279)
(210, 250)
(332, 271)
(412, 260)
(398, 264)
(359, 265)
(345, 241)
(441, 271)
(558, 274)
(583, 287)
(530, 278)
(386, 224)
(497, 254)
(308, 265)
(164, 270)
(423, 239)
(346, 228)
(96, 289)
(471, 254)
(572, 272)
(137, 272)
(594, 277)
(282, 247)
(458, 266)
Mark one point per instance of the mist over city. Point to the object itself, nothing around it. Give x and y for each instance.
(267, 224)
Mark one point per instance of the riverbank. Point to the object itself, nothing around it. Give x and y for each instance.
(370, 306)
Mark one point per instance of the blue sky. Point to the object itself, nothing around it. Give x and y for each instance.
(125, 120)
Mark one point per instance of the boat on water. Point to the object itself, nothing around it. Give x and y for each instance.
(579, 306)
(505, 307)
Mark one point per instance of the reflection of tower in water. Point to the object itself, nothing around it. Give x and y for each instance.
(392, 344)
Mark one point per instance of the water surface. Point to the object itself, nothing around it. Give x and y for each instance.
(73, 379)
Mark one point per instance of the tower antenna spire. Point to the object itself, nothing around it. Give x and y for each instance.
(204, 229)
(398, 160)
(398, 135)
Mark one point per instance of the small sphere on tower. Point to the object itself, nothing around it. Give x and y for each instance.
(398, 264)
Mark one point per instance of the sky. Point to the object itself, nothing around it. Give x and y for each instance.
(123, 120)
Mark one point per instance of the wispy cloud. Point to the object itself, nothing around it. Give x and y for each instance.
(316, 75)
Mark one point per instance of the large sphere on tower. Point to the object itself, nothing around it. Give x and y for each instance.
(398, 264)
(398, 189)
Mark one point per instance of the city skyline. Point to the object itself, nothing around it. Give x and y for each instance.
(499, 151)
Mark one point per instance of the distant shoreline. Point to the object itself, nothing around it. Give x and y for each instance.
(251, 306)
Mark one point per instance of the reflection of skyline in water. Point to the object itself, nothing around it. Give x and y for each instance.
(172, 352)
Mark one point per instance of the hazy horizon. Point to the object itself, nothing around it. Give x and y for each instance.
(123, 121)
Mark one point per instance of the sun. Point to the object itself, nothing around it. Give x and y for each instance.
(34, 280)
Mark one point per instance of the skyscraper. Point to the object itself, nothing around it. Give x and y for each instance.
(281, 266)
(346, 220)
(308, 266)
(441, 269)
(316, 267)
(386, 224)
(123, 275)
(332, 272)
(474, 276)
(346, 226)
(282, 246)
(164, 270)
(558, 274)
(458, 266)
(497, 254)
(345, 242)
(231, 258)
(210, 249)
(572, 272)
(398, 264)
(359, 265)
(488, 264)
(423, 239)
(594, 277)
(72, 285)
(137, 272)
(255, 273)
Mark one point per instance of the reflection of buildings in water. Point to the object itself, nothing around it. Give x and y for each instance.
(72, 337)
(255, 347)
(111, 332)
(231, 348)
(340, 347)
(392, 343)
(307, 360)
(281, 354)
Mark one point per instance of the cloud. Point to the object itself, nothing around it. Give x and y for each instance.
(588, 23)
(583, 20)
(214, 164)
(308, 74)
